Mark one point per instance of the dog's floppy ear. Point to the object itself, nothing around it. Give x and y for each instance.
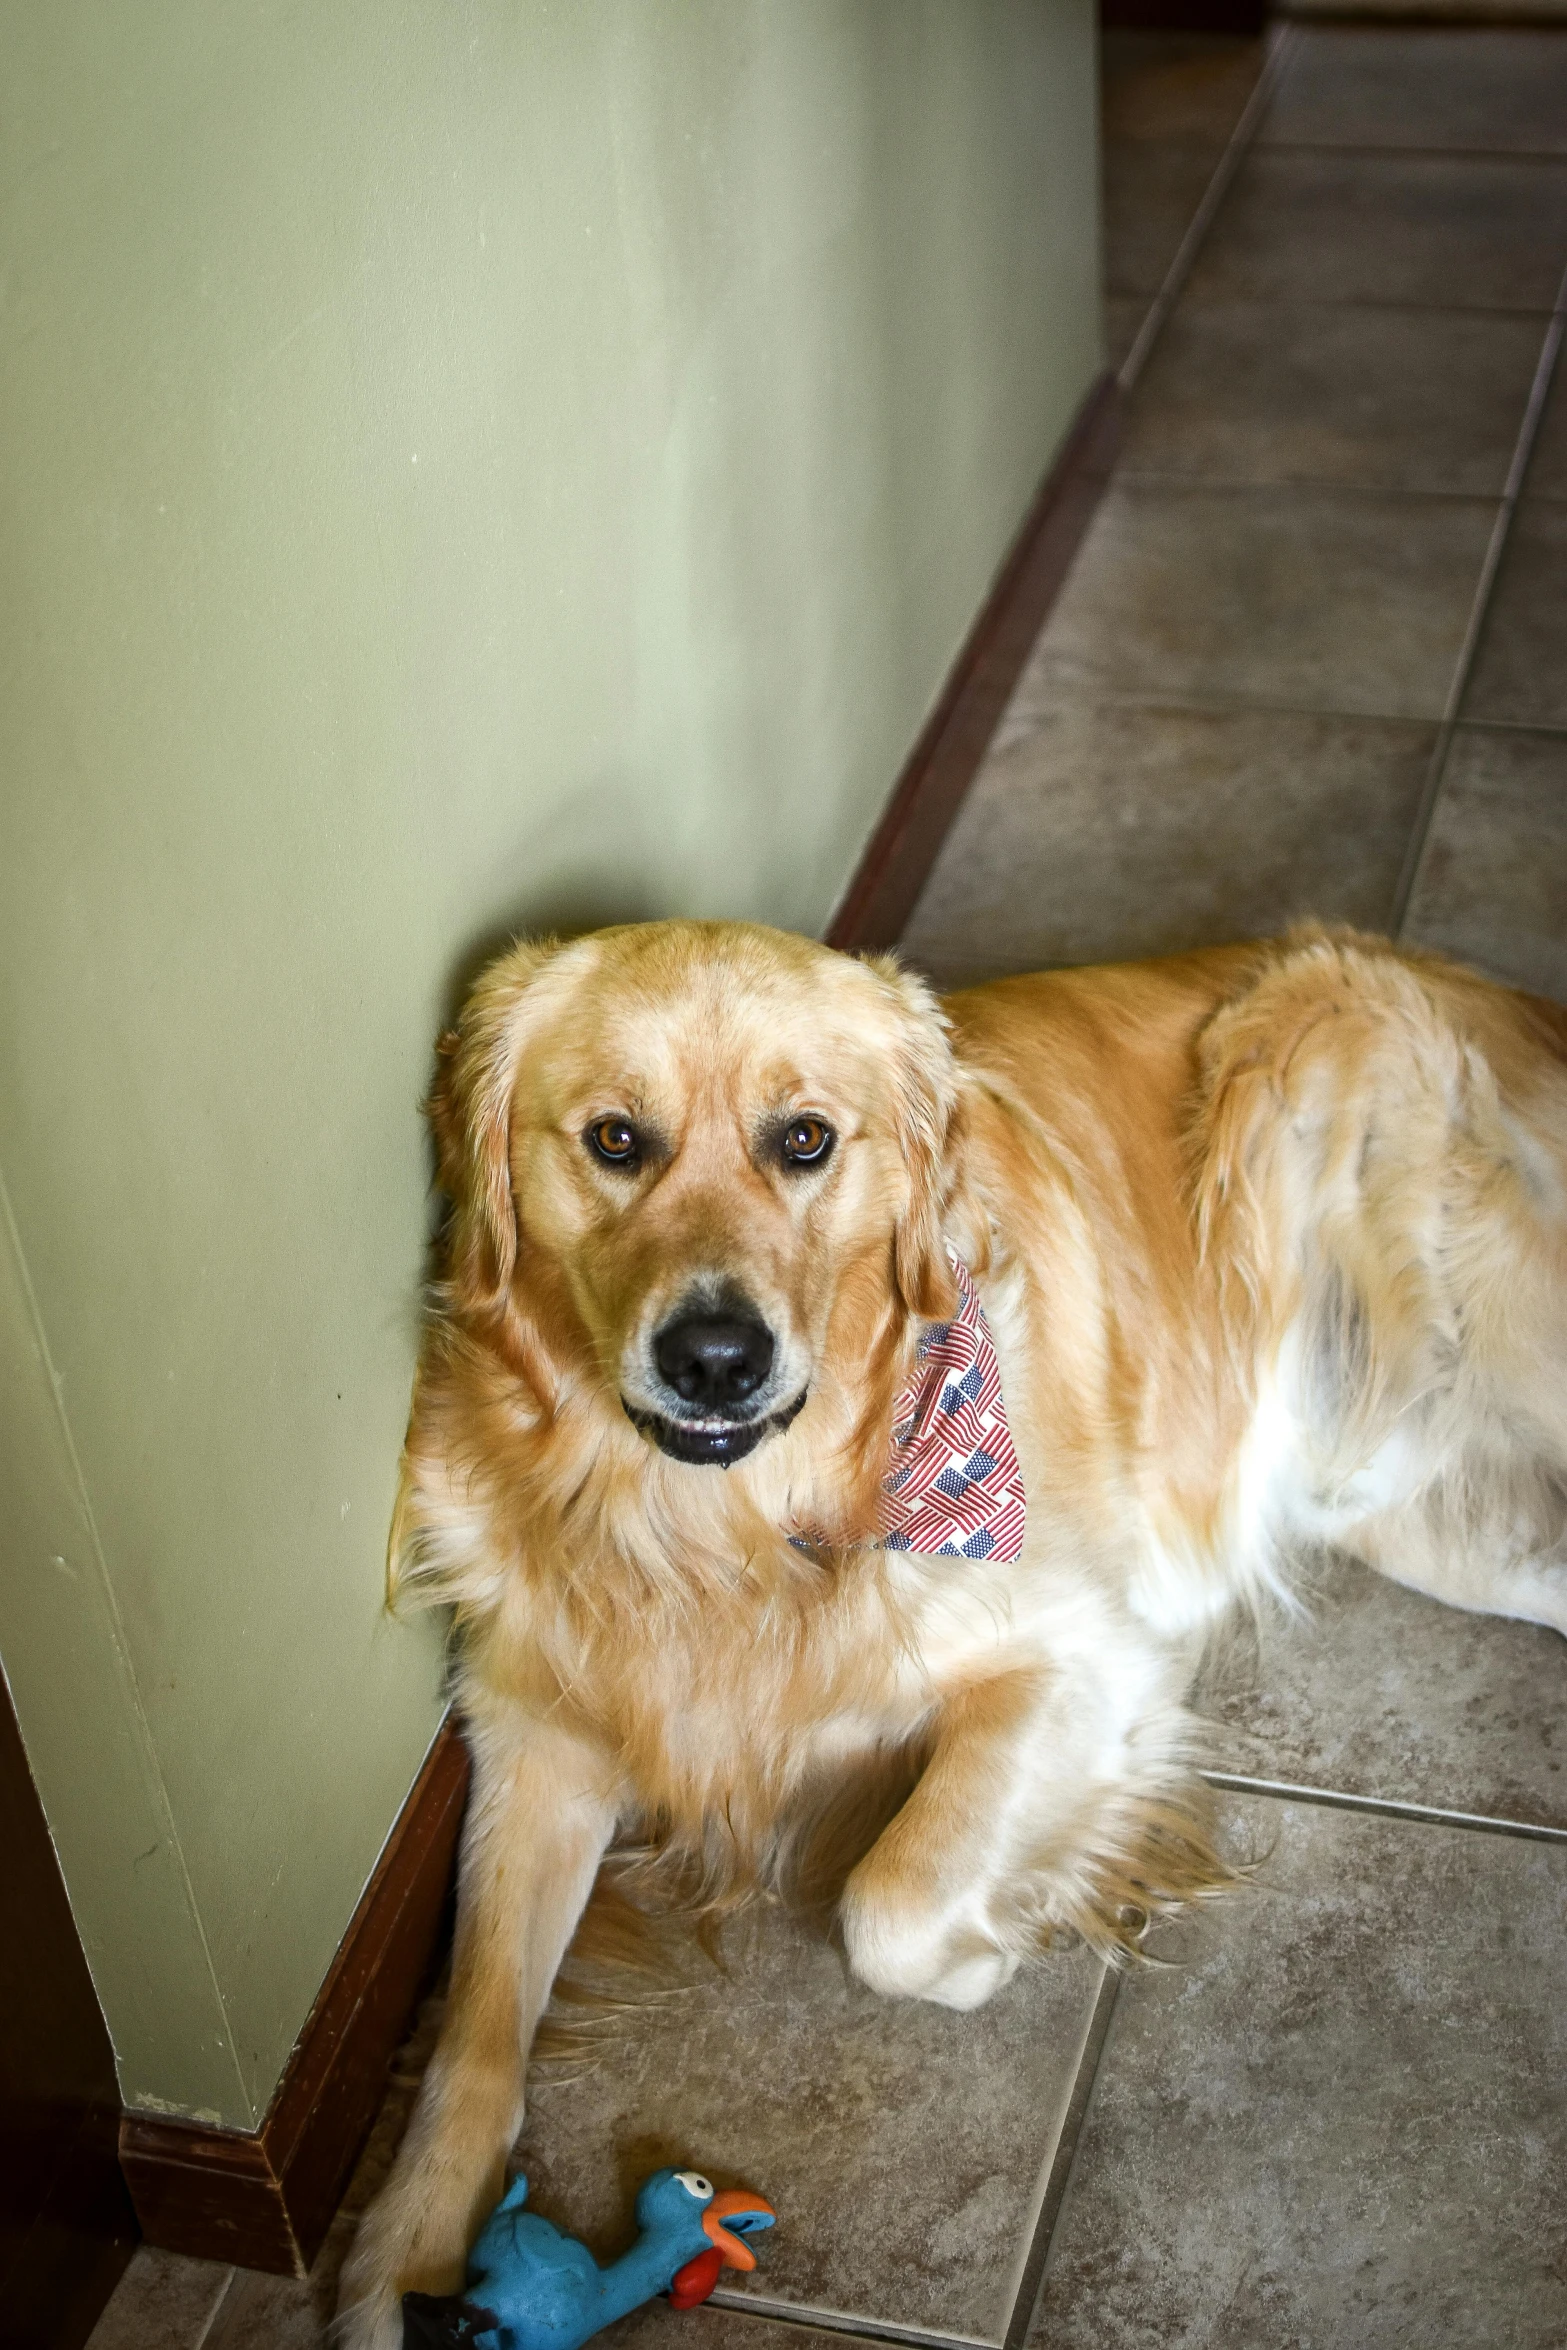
(470, 1112)
(925, 1079)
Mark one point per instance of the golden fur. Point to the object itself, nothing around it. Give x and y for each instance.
(1273, 1242)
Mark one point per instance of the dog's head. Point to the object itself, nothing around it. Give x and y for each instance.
(669, 1147)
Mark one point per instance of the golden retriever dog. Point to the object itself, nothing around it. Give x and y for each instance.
(1272, 1245)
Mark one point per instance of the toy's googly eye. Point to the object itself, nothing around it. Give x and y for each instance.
(694, 2184)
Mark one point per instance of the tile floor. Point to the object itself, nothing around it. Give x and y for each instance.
(1288, 675)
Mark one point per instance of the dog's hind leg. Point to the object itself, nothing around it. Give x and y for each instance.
(1493, 1540)
(1481, 1433)
(1385, 1160)
(539, 1818)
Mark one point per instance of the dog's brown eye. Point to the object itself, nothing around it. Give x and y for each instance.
(807, 1142)
(612, 1139)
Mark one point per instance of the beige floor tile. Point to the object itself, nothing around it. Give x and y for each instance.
(1492, 886)
(1294, 598)
(1520, 672)
(713, 2327)
(1150, 195)
(1188, 86)
(1336, 2121)
(269, 2313)
(162, 2302)
(1102, 833)
(903, 2145)
(1482, 89)
(1383, 399)
(1383, 1692)
(1305, 225)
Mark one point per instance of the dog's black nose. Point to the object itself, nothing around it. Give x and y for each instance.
(714, 1363)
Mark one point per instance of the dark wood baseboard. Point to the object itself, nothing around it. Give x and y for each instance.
(956, 736)
(1246, 17)
(265, 2198)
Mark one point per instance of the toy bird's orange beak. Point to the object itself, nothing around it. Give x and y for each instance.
(722, 2207)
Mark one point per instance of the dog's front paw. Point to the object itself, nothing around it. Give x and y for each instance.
(370, 2298)
(907, 1952)
(369, 2312)
(969, 1982)
(413, 2239)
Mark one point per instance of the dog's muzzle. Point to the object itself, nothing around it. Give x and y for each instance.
(708, 1443)
(714, 1360)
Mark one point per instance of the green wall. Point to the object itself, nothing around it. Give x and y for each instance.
(464, 463)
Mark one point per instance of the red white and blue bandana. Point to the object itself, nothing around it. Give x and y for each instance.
(953, 1488)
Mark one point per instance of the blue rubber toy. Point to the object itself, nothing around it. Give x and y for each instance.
(531, 2288)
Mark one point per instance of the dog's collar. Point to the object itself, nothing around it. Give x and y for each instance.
(953, 1488)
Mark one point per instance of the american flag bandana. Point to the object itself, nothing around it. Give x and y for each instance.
(953, 1488)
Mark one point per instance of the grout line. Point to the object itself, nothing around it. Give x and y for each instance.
(1410, 308)
(1528, 431)
(1031, 2282)
(1229, 163)
(209, 2330)
(1084, 694)
(1360, 492)
(838, 2321)
(1473, 725)
(1387, 1807)
(1366, 150)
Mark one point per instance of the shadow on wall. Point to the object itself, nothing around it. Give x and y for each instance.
(575, 895)
(570, 905)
